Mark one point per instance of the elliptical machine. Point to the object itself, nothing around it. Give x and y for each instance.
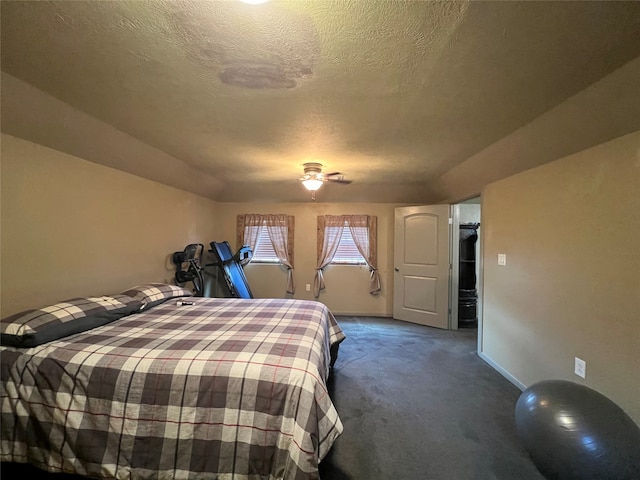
(188, 267)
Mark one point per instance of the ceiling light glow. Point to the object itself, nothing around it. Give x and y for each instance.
(254, 2)
(312, 184)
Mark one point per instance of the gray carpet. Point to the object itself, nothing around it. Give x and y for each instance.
(418, 403)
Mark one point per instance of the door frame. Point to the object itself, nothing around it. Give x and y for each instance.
(455, 272)
(480, 281)
(454, 266)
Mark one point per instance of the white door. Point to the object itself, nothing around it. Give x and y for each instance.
(421, 265)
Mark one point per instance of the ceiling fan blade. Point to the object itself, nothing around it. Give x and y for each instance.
(339, 180)
(332, 174)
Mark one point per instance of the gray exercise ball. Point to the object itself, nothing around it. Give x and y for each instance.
(575, 433)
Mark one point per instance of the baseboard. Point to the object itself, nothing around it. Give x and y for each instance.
(502, 371)
(360, 314)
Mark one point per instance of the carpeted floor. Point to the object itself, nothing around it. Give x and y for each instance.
(417, 403)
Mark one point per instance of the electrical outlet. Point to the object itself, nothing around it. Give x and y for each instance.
(580, 368)
(502, 259)
(307, 287)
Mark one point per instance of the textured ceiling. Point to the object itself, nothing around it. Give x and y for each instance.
(393, 94)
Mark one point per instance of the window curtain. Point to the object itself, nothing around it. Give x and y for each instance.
(327, 245)
(280, 229)
(363, 229)
(249, 230)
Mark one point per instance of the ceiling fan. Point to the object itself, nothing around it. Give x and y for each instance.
(313, 178)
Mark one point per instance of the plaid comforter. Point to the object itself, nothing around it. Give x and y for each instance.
(224, 389)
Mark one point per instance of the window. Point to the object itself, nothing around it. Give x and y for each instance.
(271, 239)
(347, 252)
(263, 251)
(347, 240)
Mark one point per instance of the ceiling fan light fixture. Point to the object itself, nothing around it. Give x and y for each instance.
(312, 184)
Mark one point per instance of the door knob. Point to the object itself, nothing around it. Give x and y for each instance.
(396, 269)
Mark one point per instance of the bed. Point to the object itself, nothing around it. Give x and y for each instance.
(221, 389)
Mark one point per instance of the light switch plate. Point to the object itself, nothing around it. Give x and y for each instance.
(502, 259)
(580, 368)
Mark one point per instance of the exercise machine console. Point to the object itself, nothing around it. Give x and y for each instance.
(231, 266)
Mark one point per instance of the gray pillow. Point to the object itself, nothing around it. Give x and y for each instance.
(152, 294)
(35, 327)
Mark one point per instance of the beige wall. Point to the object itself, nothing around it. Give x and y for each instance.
(571, 285)
(71, 227)
(347, 289)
